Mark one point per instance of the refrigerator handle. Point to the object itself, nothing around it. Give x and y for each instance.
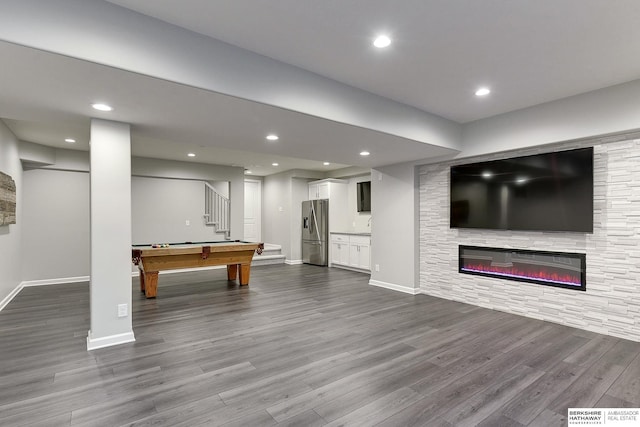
(305, 222)
(315, 222)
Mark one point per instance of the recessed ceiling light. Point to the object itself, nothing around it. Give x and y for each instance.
(382, 41)
(191, 154)
(483, 91)
(326, 163)
(274, 164)
(521, 180)
(272, 137)
(247, 171)
(364, 153)
(102, 107)
(70, 140)
(487, 174)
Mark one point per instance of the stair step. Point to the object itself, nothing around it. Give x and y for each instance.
(268, 259)
(271, 254)
(271, 246)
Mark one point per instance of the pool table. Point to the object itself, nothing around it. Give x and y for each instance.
(151, 259)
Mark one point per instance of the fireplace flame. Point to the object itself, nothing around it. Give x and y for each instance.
(541, 274)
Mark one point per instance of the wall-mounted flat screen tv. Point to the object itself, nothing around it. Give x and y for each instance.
(364, 196)
(542, 192)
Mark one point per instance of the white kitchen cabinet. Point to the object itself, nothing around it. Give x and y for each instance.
(364, 256)
(319, 190)
(351, 251)
(360, 252)
(339, 249)
(336, 191)
(327, 189)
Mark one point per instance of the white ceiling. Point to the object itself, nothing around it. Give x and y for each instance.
(528, 52)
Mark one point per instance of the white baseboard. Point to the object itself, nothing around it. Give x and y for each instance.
(57, 281)
(11, 296)
(96, 343)
(395, 287)
(293, 262)
(77, 279)
(346, 267)
(44, 282)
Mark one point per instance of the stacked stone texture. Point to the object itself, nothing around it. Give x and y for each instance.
(611, 304)
(7, 200)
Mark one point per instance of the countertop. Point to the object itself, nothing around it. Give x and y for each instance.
(352, 233)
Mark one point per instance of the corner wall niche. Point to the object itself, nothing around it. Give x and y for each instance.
(559, 269)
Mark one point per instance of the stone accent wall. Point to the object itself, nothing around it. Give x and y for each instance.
(611, 304)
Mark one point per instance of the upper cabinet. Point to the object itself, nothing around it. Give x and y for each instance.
(318, 190)
(322, 189)
(336, 191)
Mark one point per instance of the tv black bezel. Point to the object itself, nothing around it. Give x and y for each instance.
(584, 231)
(363, 201)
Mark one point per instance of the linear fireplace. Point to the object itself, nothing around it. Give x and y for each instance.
(560, 269)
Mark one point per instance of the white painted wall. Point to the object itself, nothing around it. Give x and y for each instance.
(56, 222)
(276, 224)
(299, 193)
(394, 232)
(601, 112)
(11, 235)
(56, 209)
(36, 154)
(358, 221)
(144, 167)
(609, 306)
(222, 187)
(161, 207)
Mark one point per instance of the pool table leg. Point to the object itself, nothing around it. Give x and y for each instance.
(245, 269)
(150, 284)
(141, 274)
(232, 271)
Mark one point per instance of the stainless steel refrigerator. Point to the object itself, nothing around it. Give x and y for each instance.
(315, 232)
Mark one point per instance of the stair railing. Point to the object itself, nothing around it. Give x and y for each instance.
(217, 210)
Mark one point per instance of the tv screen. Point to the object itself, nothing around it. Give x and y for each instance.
(364, 196)
(543, 192)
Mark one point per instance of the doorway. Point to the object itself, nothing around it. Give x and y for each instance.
(252, 210)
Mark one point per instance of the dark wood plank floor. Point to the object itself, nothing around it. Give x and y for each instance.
(301, 346)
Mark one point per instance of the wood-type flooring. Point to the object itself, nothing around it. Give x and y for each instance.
(301, 346)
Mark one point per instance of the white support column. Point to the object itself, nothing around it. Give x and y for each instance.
(110, 227)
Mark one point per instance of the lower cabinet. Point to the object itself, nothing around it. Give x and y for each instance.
(340, 253)
(360, 252)
(353, 251)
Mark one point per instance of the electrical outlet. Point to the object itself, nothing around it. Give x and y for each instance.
(377, 267)
(122, 310)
